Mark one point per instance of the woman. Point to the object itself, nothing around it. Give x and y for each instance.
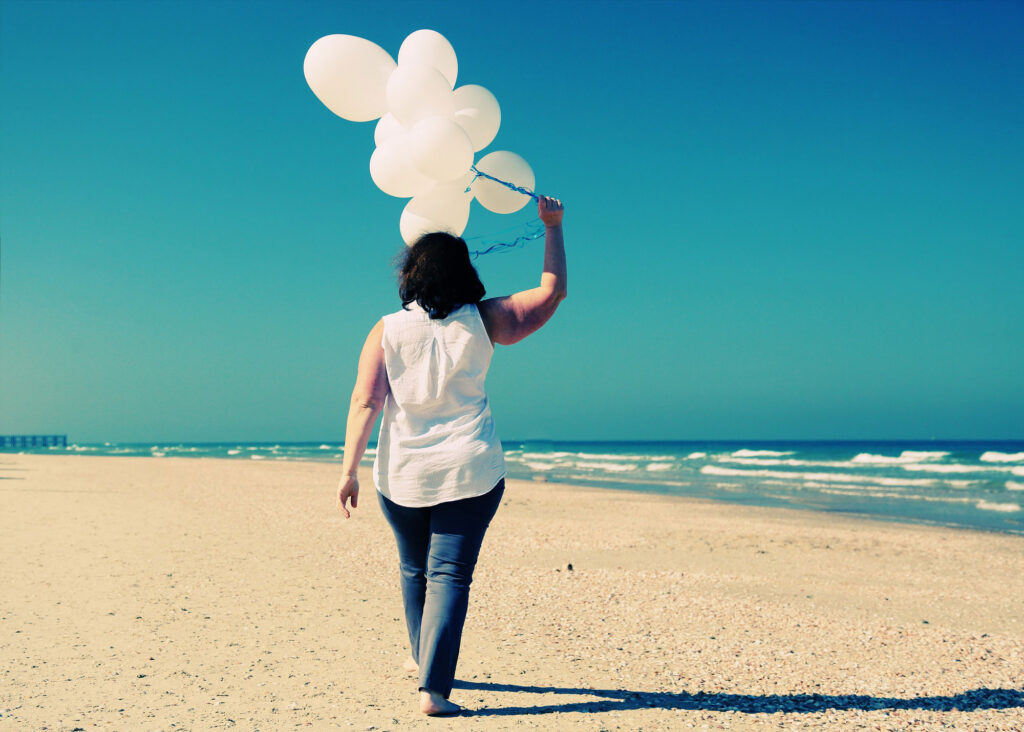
(440, 469)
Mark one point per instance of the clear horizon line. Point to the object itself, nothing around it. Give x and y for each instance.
(571, 440)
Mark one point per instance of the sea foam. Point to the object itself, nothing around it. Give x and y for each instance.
(609, 456)
(1003, 457)
(611, 467)
(1002, 507)
(540, 467)
(907, 456)
(792, 462)
(891, 494)
(950, 468)
(828, 477)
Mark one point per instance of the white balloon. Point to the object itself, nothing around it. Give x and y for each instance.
(478, 113)
(349, 75)
(415, 91)
(445, 207)
(509, 167)
(440, 148)
(387, 128)
(394, 171)
(431, 49)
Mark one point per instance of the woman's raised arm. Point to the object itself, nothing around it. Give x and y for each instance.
(511, 318)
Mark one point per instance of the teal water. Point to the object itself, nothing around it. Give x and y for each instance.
(978, 485)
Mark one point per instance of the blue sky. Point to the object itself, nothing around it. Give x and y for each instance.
(784, 220)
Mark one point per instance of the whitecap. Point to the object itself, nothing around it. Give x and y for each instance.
(258, 457)
(657, 467)
(158, 454)
(907, 456)
(1002, 457)
(1003, 507)
(792, 462)
(948, 468)
(607, 456)
(233, 452)
(325, 447)
(827, 477)
(696, 455)
(611, 467)
(1014, 486)
(760, 453)
(540, 466)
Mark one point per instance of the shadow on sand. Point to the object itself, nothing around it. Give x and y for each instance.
(622, 700)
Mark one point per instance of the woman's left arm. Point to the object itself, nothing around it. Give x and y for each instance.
(368, 397)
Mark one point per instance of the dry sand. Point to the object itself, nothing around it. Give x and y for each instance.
(157, 594)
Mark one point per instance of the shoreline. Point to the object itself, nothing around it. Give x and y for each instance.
(612, 485)
(212, 593)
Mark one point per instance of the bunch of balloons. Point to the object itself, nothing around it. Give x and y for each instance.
(428, 130)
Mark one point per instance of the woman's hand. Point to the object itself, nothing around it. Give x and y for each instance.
(550, 211)
(348, 488)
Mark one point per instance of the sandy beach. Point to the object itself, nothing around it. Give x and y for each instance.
(156, 594)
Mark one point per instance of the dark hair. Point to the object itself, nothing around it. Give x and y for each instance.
(436, 272)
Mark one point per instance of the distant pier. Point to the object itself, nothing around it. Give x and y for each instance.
(33, 441)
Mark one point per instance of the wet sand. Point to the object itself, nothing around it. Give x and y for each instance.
(145, 593)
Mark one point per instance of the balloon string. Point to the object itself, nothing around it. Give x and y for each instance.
(534, 231)
(518, 189)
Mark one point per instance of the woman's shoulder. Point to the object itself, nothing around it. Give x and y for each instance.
(411, 310)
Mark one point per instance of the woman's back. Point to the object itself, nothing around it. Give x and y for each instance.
(436, 368)
(437, 438)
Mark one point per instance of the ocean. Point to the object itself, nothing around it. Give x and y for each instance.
(977, 485)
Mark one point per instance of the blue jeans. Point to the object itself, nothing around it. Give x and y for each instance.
(437, 551)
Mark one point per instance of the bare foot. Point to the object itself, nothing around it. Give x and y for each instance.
(435, 705)
(411, 666)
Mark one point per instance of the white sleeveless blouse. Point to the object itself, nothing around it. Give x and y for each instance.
(437, 440)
